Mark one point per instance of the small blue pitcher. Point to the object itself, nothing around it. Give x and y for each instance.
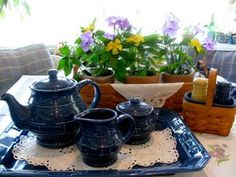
(100, 138)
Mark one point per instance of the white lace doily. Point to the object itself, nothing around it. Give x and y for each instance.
(160, 148)
(155, 94)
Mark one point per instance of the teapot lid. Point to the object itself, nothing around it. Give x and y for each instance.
(135, 107)
(53, 83)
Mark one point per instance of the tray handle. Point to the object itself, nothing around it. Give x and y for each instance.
(211, 87)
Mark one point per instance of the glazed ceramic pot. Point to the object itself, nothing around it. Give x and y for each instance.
(143, 116)
(53, 103)
(172, 78)
(142, 79)
(109, 78)
(100, 139)
(188, 97)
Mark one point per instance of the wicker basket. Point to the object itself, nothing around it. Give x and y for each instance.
(206, 117)
(110, 97)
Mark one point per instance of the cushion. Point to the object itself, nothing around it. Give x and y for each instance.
(225, 62)
(30, 60)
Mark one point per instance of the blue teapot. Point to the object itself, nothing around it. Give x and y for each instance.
(53, 103)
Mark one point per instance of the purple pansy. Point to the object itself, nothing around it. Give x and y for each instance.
(123, 23)
(171, 26)
(109, 36)
(111, 20)
(118, 22)
(209, 44)
(87, 41)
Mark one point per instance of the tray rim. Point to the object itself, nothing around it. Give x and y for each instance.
(147, 171)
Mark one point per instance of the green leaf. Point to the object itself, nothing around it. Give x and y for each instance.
(164, 69)
(78, 41)
(142, 72)
(77, 77)
(99, 32)
(61, 63)
(152, 38)
(65, 50)
(120, 71)
(113, 63)
(79, 52)
(76, 61)
(65, 64)
(168, 40)
(128, 57)
(68, 67)
(106, 56)
(97, 72)
(93, 59)
(153, 51)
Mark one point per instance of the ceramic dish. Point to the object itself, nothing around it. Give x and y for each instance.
(231, 103)
(193, 156)
(188, 97)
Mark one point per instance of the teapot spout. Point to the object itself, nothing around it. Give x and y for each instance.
(19, 113)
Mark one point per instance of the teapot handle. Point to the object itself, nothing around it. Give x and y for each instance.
(97, 92)
(131, 128)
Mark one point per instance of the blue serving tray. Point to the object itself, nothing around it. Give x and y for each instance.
(193, 156)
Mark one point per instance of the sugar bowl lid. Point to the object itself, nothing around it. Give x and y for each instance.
(53, 83)
(224, 85)
(135, 107)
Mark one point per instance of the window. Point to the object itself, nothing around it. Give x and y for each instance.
(52, 21)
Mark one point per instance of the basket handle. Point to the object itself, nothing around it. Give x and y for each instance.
(211, 86)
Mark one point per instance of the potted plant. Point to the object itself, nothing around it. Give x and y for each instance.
(96, 54)
(179, 54)
(88, 57)
(144, 63)
(138, 54)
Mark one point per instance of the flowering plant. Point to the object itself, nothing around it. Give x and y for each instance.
(122, 51)
(137, 53)
(87, 53)
(180, 55)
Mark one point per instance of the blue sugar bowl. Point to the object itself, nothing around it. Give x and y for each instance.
(143, 116)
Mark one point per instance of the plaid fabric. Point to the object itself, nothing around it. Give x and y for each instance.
(30, 60)
(224, 62)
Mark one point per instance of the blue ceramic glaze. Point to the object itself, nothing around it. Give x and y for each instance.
(222, 95)
(192, 156)
(188, 97)
(100, 138)
(142, 114)
(51, 107)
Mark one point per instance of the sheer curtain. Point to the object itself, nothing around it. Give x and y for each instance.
(52, 21)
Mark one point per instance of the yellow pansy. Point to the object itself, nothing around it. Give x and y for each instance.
(115, 46)
(195, 43)
(136, 39)
(89, 28)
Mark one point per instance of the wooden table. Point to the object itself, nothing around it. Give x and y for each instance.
(222, 149)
